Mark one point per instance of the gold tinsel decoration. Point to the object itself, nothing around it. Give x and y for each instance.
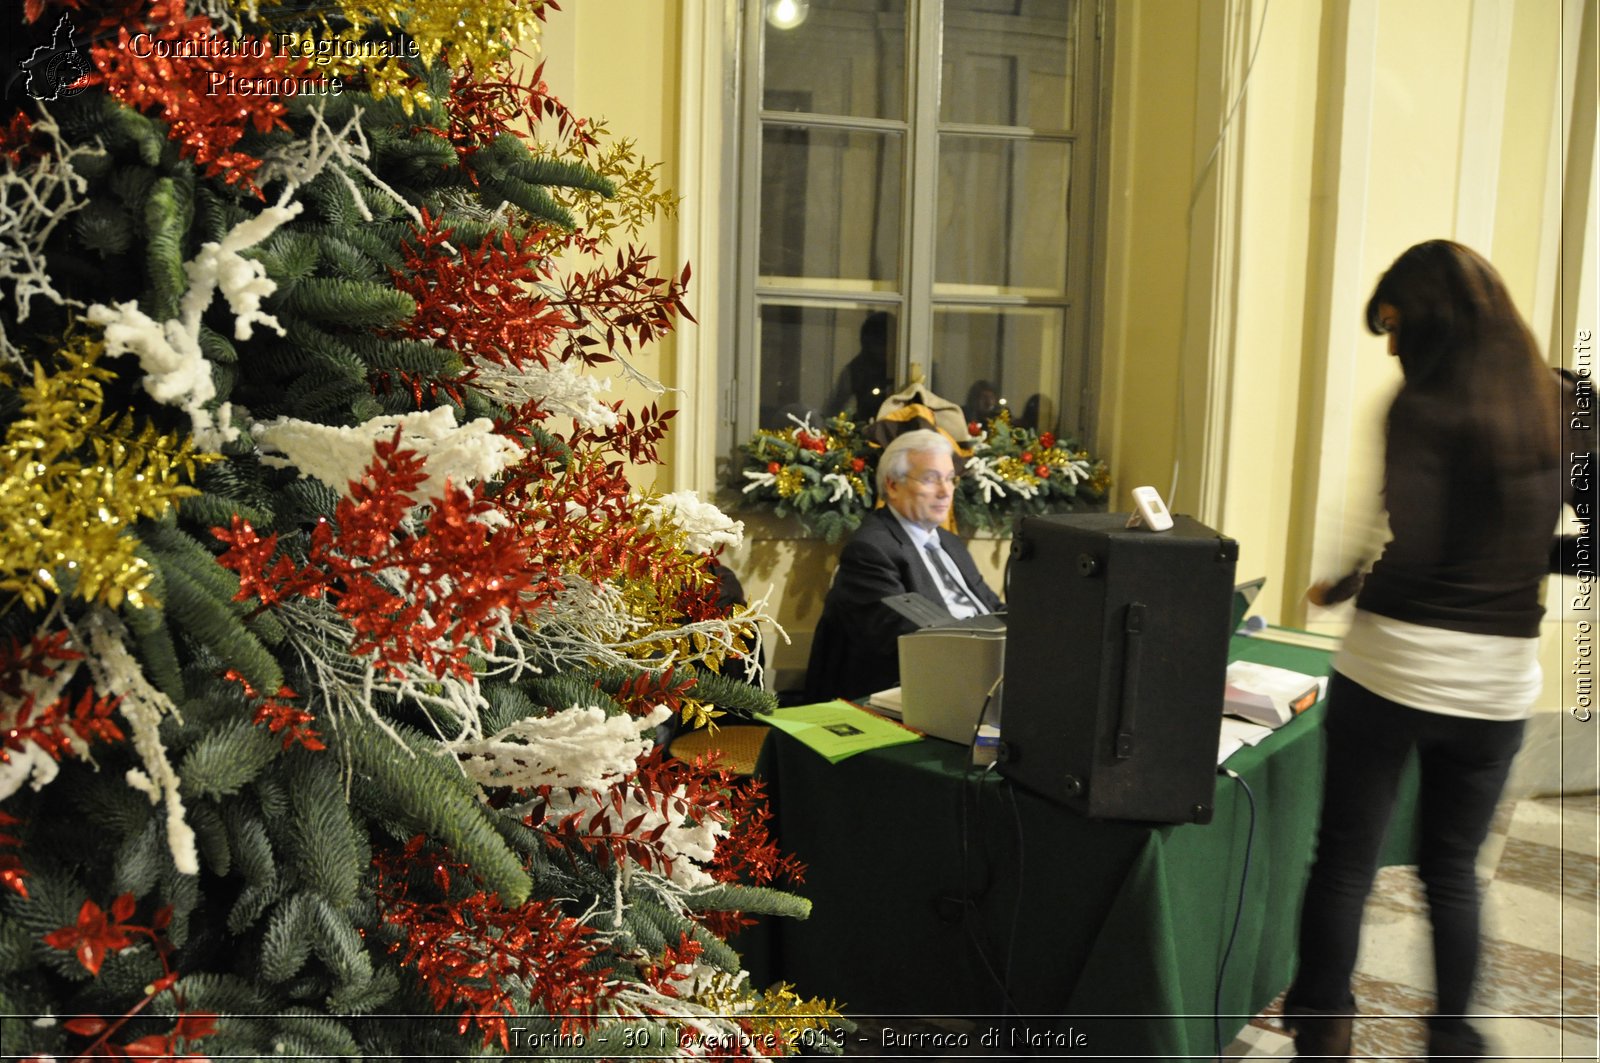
(1014, 471)
(790, 481)
(653, 603)
(72, 484)
(481, 34)
(780, 1013)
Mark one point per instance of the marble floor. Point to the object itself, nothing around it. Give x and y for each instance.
(1538, 986)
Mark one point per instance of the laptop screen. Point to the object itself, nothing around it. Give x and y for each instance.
(1243, 595)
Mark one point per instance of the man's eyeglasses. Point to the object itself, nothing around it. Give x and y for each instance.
(933, 479)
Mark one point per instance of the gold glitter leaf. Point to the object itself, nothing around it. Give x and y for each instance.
(72, 484)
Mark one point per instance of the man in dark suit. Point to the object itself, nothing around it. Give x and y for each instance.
(899, 548)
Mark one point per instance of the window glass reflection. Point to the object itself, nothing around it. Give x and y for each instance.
(843, 57)
(1003, 213)
(999, 360)
(820, 361)
(1009, 62)
(830, 203)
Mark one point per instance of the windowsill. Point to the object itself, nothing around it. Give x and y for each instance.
(762, 525)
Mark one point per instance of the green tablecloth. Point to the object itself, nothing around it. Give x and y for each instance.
(941, 891)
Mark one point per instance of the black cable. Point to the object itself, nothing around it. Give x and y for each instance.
(1238, 912)
(1016, 906)
(1002, 982)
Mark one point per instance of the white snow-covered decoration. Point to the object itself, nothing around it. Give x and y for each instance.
(36, 195)
(301, 160)
(337, 455)
(840, 484)
(1077, 470)
(578, 747)
(705, 526)
(30, 764)
(116, 673)
(176, 370)
(758, 478)
(242, 281)
(560, 388)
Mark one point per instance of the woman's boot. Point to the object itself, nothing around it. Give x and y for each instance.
(1320, 1034)
(1454, 1039)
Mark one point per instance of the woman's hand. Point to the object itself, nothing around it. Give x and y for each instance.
(1333, 591)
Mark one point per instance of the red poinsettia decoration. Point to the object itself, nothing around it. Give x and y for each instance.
(95, 935)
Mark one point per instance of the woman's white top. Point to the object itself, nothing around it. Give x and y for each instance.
(1455, 673)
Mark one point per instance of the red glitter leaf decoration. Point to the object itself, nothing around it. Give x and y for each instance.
(195, 93)
(279, 716)
(59, 727)
(427, 599)
(470, 952)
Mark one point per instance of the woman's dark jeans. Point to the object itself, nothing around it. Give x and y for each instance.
(1464, 763)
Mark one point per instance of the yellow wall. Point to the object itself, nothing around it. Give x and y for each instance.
(1237, 256)
(616, 61)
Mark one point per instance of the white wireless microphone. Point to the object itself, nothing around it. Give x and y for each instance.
(1149, 510)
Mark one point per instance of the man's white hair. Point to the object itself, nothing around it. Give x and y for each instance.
(896, 460)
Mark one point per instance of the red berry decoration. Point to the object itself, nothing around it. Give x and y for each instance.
(858, 464)
(1042, 471)
(974, 428)
(1047, 439)
(774, 468)
(1027, 457)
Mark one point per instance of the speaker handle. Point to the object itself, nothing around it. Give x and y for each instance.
(1132, 642)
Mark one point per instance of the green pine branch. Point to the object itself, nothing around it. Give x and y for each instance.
(411, 786)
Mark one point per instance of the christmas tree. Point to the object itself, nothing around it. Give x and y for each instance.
(333, 637)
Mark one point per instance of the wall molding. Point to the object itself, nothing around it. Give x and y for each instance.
(1339, 331)
(704, 73)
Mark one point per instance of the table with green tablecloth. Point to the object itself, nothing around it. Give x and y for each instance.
(938, 889)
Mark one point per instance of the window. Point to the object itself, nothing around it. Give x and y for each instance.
(915, 187)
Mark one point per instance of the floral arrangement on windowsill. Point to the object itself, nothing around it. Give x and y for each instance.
(827, 476)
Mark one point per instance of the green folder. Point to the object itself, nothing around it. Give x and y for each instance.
(838, 729)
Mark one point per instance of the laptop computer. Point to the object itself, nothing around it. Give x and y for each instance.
(1243, 596)
(947, 674)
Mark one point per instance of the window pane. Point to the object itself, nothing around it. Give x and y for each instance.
(989, 360)
(846, 57)
(819, 361)
(1009, 62)
(830, 203)
(1003, 214)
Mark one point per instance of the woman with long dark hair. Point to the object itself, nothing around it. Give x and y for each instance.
(1442, 653)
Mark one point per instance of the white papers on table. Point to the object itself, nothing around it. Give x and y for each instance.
(886, 702)
(1263, 693)
(1236, 734)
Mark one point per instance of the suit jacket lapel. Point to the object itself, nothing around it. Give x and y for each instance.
(920, 578)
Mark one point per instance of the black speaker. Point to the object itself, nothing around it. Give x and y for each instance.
(1116, 660)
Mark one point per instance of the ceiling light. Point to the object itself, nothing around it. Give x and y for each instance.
(787, 14)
